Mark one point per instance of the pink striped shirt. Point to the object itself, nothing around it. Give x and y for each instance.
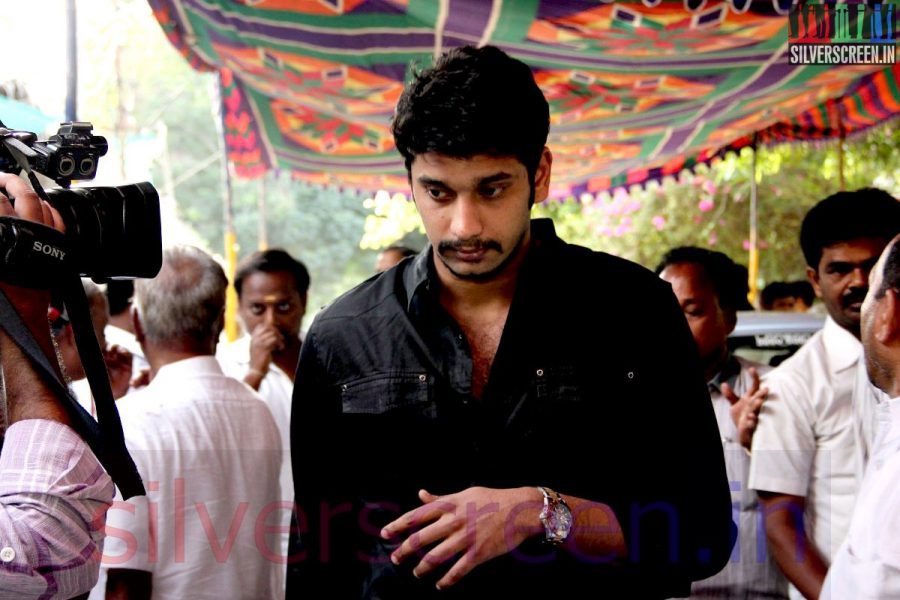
(53, 500)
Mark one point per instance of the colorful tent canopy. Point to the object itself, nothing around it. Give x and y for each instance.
(637, 90)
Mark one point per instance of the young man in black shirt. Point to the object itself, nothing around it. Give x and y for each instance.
(481, 422)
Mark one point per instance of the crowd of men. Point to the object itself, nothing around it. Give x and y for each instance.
(476, 419)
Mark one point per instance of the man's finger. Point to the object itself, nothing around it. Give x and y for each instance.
(416, 517)
(729, 393)
(27, 203)
(754, 377)
(457, 571)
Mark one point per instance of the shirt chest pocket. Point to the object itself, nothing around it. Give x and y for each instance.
(396, 393)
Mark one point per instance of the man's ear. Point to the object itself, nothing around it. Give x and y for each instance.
(730, 319)
(138, 327)
(813, 276)
(886, 322)
(542, 176)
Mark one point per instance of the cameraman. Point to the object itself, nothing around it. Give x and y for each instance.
(53, 492)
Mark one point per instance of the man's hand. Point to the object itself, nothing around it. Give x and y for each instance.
(118, 364)
(17, 199)
(470, 527)
(745, 410)
(265, 340)
(27, 395)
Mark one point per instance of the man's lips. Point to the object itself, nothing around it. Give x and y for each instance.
(469, 254)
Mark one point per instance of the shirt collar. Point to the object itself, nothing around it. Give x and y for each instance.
(892, 408)
(729, 374)
(420, 275)
(841, 346)
(189, 367)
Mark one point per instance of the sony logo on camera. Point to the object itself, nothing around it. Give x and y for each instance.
(49, 250)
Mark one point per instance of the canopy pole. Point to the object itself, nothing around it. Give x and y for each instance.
(263, 222)
(230, 237)
(753, 261)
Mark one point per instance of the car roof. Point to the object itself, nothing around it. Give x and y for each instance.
(752, 323)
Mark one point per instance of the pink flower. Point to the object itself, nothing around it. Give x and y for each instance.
(626, 221)
(706, 205)
(659, 222)
(746, 244)
(709, 187)
(713, 239)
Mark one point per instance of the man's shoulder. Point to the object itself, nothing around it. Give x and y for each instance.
(584, 266)
(363, 299)
(807, 362)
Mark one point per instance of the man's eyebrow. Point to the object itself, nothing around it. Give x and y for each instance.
(496, 177)
(425, 180)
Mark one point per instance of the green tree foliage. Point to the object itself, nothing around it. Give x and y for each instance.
(711, 207)
(127, 64)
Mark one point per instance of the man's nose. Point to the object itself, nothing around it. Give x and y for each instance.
(269, 315)
(859, 277)
(466, 218)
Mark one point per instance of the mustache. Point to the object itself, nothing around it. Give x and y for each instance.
(470, 245)
(854, 295)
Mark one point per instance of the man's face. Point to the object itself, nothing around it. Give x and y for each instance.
(272, 298)
(878, 363)
(710, 324)
(476, 210)
(841, 280)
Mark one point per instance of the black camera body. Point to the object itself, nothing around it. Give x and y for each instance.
(111, 232)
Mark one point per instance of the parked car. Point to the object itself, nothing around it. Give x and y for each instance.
(769, 337)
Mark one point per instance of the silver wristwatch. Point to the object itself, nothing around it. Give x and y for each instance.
(555, 516)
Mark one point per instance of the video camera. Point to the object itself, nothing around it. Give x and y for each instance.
(111, 232)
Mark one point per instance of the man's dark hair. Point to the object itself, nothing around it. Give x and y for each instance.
(275, 260)
(774, 291)
(890, 274)
(804, 290)
(473, 101)
(727, 277)
(846, 216)
(118, 294)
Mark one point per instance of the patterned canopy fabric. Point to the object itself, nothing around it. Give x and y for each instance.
(637, 90)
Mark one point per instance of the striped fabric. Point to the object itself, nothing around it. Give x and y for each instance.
(637, 90)
(53, 500)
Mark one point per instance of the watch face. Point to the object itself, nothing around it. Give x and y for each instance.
(559, 522)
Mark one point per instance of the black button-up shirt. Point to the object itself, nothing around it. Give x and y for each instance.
(595, 391)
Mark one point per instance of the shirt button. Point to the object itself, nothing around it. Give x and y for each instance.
(7, 554)
(540, 372)
(422, 377)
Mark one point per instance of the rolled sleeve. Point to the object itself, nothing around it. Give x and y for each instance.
(784, 445)
(53, 500)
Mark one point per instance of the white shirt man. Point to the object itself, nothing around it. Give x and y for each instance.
(209, 452)
(805, 442)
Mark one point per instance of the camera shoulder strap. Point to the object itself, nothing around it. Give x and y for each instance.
(104, 436)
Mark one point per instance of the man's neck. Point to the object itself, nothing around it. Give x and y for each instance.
(287, 358)
(123, 321)
(159, 356)
(714, 366)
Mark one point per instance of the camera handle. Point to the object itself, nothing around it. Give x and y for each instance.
(104, 436)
